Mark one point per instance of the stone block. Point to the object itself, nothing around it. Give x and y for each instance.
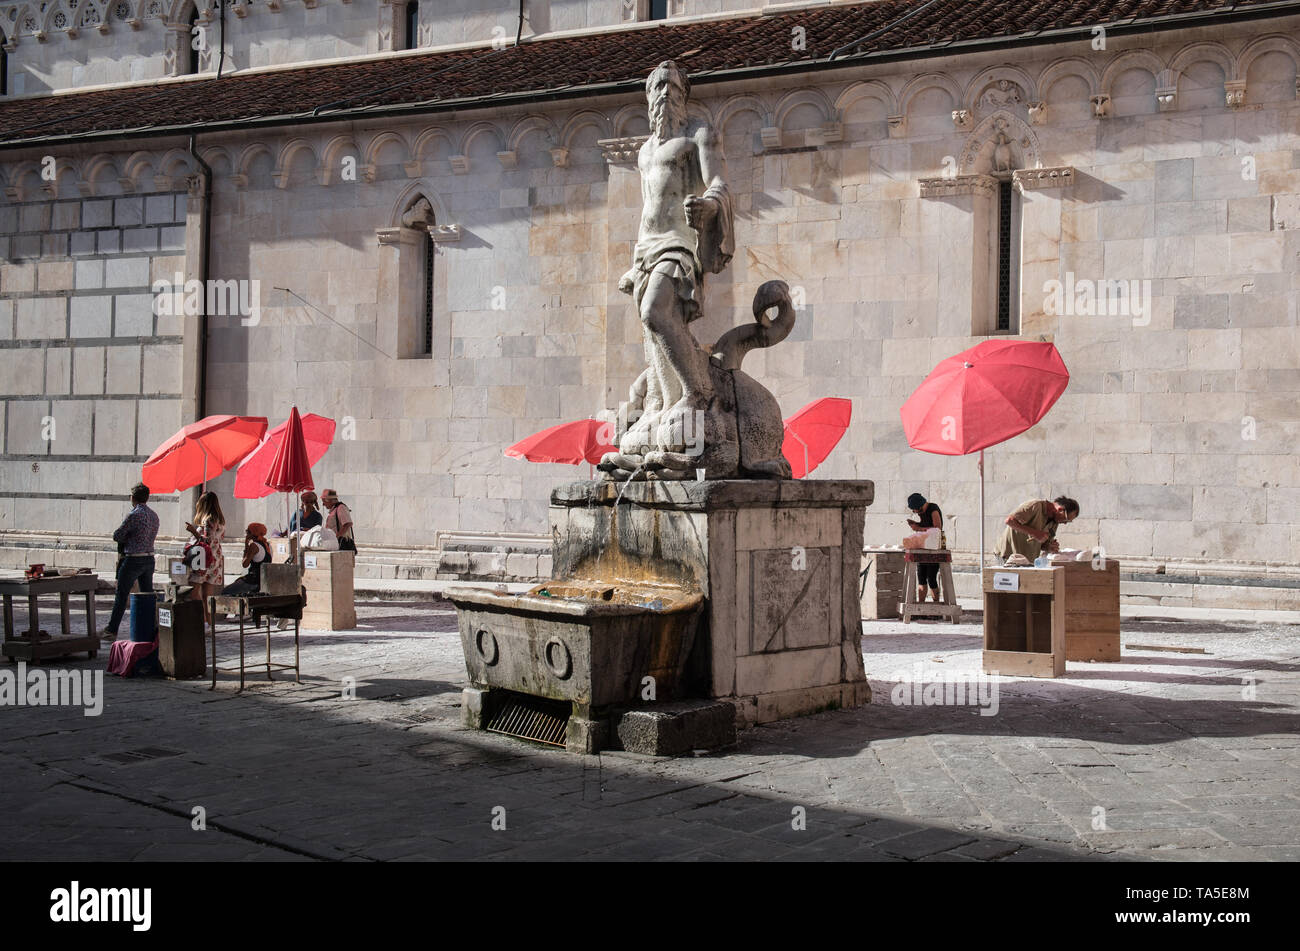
(41, 318)
(89, 275)
(162, 369)
(115, 427)
(472, 700)
(110, 242)
(72, 429)
(133, 315)
(158, 419)
(58, 370)
(454, 562)
(127, 272)
(82, 243)
(97, 213)
(55, 276)
(35, 216)
(66, 215)
(21, 372)
(26, 422)
(88, 370)
(171, 239)
(123, 369)
(671, 729)
(91, 317)
(128, 211)
(159, 209)
(139, 239)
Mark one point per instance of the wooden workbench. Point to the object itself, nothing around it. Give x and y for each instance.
(29, 645)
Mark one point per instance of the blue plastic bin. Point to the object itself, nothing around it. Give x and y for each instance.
(144, 616)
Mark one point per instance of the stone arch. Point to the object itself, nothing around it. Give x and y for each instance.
(220, 161)
(53, 12)
(793, 101)
(425, 140)
(66, 177)
(871, 89)
(177, 163)
(976, 157)
(526, 126)
(379, 142)
(248, 156)
(919, 84)
(139, 168)
(92, 13)
(477, 131)
(1071, 66)
(336, 148)
(627, 116)
(99, 169)
(1133, 59)
(993, 74)
(410, 195)
(27, 21)
(736, 105)
(289, 153)
(1215, 53)
(1267, 46)
(696, 109)
(18, 185)
(178, 11)
(587, 117)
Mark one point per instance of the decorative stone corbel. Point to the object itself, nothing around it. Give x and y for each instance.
(239, 8)
(367, 173)
(87, 189)
(1100, 106)
(162, 183)
(281, 179)
(413, 168)
(459, 164)
(239, 180)
(1234, 92)
(40, 36)
(13, 193)
(127, 186)
(1167, 98)
(623, 150)
(73, 32)
(962, 120)
(273, 5)
(102, 26)
(897, 127)
(133, 22)
(444, 234)
(1037, 112)
(560, 157)
(309, 4)
(194, 185)
(1029, 179)
(392, 236)
(771, 137)
(508, 159)
(958, 185)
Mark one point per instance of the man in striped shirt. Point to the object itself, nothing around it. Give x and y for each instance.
(135, 537)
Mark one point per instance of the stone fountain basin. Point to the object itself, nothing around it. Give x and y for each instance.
(588, 643)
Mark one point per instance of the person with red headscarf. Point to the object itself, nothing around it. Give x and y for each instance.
(257, 552)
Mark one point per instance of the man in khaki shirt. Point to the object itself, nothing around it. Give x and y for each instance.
(1031, 529)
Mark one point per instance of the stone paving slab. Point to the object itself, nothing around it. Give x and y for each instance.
(1161, 756)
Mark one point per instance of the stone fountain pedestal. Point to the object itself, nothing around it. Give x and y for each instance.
(777, 562)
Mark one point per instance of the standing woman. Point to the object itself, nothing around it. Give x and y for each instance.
(339, 520)
(208, 527)
(927, 516)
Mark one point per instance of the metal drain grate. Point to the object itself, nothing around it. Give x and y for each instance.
(413, 718)
(139, 756)
(530, 718)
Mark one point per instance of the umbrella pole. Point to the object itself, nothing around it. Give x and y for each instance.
(981, 518)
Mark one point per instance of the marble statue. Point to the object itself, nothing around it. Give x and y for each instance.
(698, 409)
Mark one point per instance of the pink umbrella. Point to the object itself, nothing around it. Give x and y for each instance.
(251, 478)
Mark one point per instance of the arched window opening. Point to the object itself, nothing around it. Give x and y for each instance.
(412, 25)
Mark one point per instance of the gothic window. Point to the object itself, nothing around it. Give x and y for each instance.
(411, 312)
(1008, 266)
(412, 25)
(192, 41)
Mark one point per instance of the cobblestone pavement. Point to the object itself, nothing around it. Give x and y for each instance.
(1175, 756)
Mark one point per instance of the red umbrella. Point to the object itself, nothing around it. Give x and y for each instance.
(201, 451)
(250, 480)
(291, 469)
(981, 397)
(813, 432)
(585, 440)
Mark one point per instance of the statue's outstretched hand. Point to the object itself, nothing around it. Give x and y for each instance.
(627, 282)
(700, 211)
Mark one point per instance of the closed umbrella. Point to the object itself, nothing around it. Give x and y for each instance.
(290, 470)
(250, 479)
(981, 397)
(202, 451)
(812, 432)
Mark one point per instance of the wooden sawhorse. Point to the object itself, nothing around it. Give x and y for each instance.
(948, 607)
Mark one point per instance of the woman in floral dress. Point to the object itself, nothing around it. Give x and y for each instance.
(208, 529)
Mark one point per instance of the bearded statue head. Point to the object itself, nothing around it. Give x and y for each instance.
(667, 89)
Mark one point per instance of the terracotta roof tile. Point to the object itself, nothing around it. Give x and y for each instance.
(568, 65)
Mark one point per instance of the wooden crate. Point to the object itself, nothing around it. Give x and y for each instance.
(331, 602)
(182, 647)
(1024, 630)
(1092, 611)
(884, 587)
